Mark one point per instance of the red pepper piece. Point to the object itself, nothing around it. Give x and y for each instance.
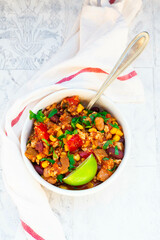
(72, 100)
(74, 142)
(41, 131)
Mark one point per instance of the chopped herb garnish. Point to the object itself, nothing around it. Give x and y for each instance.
(111, 170)
(62, 136)
(67, 132)
(29, 141)
(44, 140)
(98, 147)
(60, 177)
(61, 143)
(52, 112)
(47, 159)
(104, 113)
(71, 161)
(51, 150)
(55, 155)
(107, 144)
(116, 150)
(39, 117)
(105, 158)
(102, 131)
(75, 121)
(114, 125)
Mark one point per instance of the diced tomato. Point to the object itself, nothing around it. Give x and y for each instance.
(41, 131)
(72, 100)
(85, 154)
(108, 115)
(74, 142)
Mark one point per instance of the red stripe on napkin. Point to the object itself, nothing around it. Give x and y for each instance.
(66, 79)
(112, 1)
(127, 76)
(96, 70)
(15, 120)
(31, 231)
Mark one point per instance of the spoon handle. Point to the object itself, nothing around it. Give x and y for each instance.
(132, 51)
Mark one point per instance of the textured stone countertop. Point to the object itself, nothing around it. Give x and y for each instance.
(30, 33)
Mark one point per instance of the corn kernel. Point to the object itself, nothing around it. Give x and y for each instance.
(39, 156)
(63, 187)
(80, 108)
(69, 137)
(53, 139)
(76, 157)
(79, 126)
(45, 164)
(66, 148)
(92, 130)
(94, 146)
(113, 130)
(46, 120)
(116, 138)
(59, 133)
(106, 129)
(119, 132)
(85, 112)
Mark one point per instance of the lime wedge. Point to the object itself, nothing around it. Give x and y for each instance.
(83, 174)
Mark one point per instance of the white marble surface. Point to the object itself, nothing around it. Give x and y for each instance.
(129, 210)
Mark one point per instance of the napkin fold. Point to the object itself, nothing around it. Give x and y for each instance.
(84, 61)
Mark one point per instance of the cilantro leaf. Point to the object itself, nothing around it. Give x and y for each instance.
(111, 170)
(44, 140)
(51, 150)
(47, 159)
(52, 112)
(32, 115)
(54, 155)
(116, 150)
(71, 161)
(40, 117)
(60, 177)
(107, 144)
(105, 158)
(114, 125)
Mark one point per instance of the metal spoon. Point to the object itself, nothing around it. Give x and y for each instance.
(132, 51)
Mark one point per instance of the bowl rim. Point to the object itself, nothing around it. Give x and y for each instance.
(71, 92)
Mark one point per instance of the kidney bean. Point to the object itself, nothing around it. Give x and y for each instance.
(59, 113)
(111, 153)
(85, 154)
(54, 118)
(38, 169)
(39, 146)
(95, 109)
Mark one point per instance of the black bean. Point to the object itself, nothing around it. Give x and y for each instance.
(121, 140)
(38, 169)
(95, 109)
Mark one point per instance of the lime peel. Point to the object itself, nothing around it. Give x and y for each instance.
(83, 174)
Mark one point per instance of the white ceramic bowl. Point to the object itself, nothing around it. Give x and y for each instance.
(85, 95)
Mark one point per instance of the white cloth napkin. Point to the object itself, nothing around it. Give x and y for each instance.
(84, 61)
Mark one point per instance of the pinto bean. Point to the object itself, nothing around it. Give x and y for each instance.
(65, 164)
(38, 169)
(111, 153)
(99, 122)
(54, 118)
